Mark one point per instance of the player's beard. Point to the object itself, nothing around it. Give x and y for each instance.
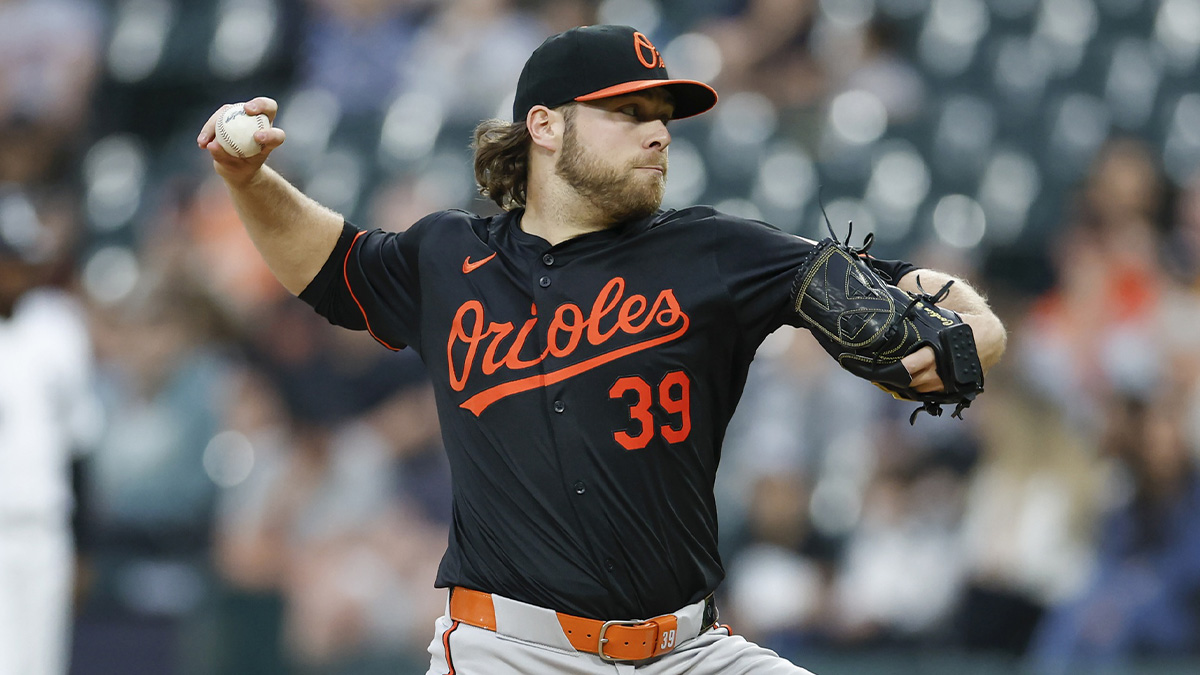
(621, 193)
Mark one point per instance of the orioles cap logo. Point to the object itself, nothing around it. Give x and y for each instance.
(647, 53)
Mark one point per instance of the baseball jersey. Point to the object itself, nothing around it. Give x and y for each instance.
(47, 406)
(583, 389)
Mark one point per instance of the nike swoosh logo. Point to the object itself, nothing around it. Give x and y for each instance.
(469, 266)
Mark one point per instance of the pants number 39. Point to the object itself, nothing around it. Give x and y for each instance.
(668, 640)
(674, 399)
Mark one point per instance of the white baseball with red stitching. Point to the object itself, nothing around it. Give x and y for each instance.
(235, 131)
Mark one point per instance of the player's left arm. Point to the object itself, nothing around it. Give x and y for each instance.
(991, 338)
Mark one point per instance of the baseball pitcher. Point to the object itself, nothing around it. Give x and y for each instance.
(588, 349)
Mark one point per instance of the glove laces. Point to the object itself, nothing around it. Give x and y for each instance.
(845, 243)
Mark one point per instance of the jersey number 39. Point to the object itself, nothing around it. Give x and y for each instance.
(673, 397)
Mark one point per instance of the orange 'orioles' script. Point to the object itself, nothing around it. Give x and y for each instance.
(488, 344)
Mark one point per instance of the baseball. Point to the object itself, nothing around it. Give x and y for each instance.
(235, 131)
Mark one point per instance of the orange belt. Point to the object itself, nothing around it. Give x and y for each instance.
(610, 640)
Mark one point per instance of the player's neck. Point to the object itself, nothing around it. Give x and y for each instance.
(557, 215)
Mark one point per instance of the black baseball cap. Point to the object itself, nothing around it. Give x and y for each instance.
(594, 62)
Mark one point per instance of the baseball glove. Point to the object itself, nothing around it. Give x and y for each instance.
(868, 325)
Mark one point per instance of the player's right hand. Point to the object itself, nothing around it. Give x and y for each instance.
(922, 368)
(236, 169)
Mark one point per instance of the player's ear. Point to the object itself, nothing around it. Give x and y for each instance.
(545, 127)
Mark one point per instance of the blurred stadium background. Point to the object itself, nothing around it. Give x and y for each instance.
(267, 495)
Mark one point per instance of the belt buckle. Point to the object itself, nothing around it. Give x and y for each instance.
(603, 640)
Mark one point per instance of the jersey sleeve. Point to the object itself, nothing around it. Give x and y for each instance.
(891, 270)
(759, 262)
(370, 282)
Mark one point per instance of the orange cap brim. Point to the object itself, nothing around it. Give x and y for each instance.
(701, 99)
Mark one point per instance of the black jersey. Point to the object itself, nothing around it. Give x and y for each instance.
(583, 389)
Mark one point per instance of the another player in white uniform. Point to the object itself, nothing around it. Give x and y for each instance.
(47, 412)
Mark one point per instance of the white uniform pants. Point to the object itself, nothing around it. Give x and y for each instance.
(36, 578)
(459, 649)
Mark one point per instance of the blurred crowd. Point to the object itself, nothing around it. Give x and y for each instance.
(257, 492)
